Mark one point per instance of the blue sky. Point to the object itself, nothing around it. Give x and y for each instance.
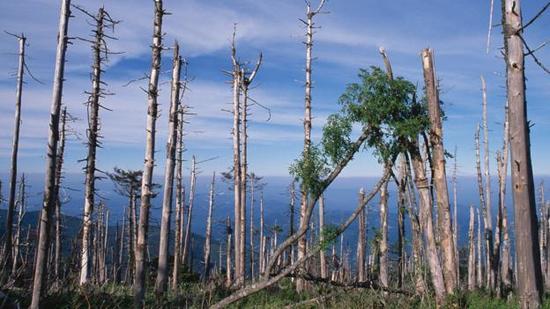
(349, 39)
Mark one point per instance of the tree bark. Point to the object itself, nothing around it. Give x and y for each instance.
(15, 148)
(471, 252)
(479, 263)
(58, 172)
(228, 231)
(93, 135)
(384, 235)
(162, 270)
(529, 282)
(361, 241)
(147, 180)
(22, 210)
(185, 258)
(439, 174)
(322, 258)
(179, 203)
(40, 269)
(207, 242)
(422, 186)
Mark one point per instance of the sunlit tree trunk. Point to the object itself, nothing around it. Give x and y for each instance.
(384, 236)
(207, 242)
(439, 174)
(322, 258)
(58, 172)
(179, 203)
(21, 203)
(187, 248)
(48, 205)
(228, 266)
(162, 270)
(15, 148)
(471, 252)
(147, 180)
(361, 241)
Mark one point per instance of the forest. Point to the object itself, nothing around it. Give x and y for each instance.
(195, 228)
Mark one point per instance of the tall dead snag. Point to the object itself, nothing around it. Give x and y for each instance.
(310, 25)
(22, 209)
(426, 222)
(292, 211)
(471, 252)
(262, 256)
(383, 275)
(402, 193)
(228, 271)
(455, 218)
(420, 283)
(58, 174)
(490, 262)
(481, 205)
(208, 235)
(237, 76)
(162, 270)
(147, 180)
(180, 207)
(40, 268)
(479, 252)
(439, 174)
(505, 283)
(15, 148)
(322, 257)
(99, 56)
(530, 287)
(186, 253)
(247, 77)
(361, 241)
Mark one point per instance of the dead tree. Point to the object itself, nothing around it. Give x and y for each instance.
(423, 188)
(147, 180)
(384, 259)
(322, 257)
(162, 269)
(40, 269)
(471, 252)
(237, 76)
(58, 176)
(99, 56)
(505, 283)
(292, 211)
(402, 193)
(439, 174)
(529, 281)
(180, 205)
(262, 256)
(208, 235)
(228, 271)
(21, 206)
(7, 259)
(185, 258)
(481, 205)
(361, 242)
(455, 218)
(491, 263)
(479, 252)
(310, 25)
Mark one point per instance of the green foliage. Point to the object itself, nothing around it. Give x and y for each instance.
(330, 233)
(310, 169)
(336, 139)
(388, 108)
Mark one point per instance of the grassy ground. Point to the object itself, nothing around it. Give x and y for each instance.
(282, 295)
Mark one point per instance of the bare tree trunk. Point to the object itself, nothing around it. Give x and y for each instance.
(310, 13)
(15, 148)
(439, 174)
(58, 172)
(420, 284)
(21, 202)
(482, 205)
(455, 219)
(422, 185)
(207, 242)
(252, 251)
(384, 238)
(471, 252)
(362, 240)
(179, 203)
(262, 240)
(401, 226)
(147, 180)
(322, 258)
(98, 47)
(479, 252)
(237, 165)
(292, 211)
(525, 218)
(492, 264)
(502, 246)
(228, 231)
(40, 269)
(186, 243)
(162, 271)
